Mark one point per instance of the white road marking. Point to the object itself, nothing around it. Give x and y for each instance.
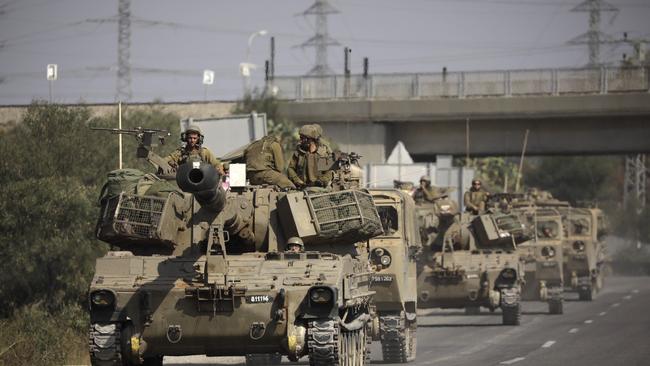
(589, 321)
(548, 344)
(573, 330)
(615, 305)
(635, 291)
(602, 314)
(514, 360)
(627, 297)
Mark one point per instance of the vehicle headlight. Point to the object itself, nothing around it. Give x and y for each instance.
(320, 295)
(379, 252)
(102, 298)
(385, 260)
(548, 252)
(579, 246)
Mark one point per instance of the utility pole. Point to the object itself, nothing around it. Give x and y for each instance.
(635, 181)
(321, 40)
(124, 51)
(593, 37)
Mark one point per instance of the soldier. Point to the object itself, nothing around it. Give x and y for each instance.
(193, 139)
(265, 162)
(425, 192)
(310, 162)
(295, 245)
(475, 198)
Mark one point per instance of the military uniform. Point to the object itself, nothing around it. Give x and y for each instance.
(475, 200)
(307, 169)
(265, 162)
(428, 194)
(304, 170)
(183, 155)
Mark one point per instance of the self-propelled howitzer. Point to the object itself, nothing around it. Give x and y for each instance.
(203, 270)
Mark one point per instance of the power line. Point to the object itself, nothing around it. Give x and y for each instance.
(593, 37)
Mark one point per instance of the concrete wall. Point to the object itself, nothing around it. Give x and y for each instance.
(10, 115)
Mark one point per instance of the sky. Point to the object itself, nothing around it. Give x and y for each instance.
(172, 42)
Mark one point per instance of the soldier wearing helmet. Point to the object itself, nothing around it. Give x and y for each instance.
(193, 139)
(265, 163)
(310, 163)
(295, 244)
(425, 192)
(476, 198)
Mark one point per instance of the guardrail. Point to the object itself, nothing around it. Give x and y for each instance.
(472, 84)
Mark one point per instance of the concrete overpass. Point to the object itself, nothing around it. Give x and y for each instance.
(576, 111)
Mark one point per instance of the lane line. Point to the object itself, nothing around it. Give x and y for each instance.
(615, 305)
(635, 291)
(602, 314)
(627, 297)
(548, 344)
(573, 330)
(514, 360)
(589, 321)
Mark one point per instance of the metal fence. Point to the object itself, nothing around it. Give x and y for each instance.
(471, 84)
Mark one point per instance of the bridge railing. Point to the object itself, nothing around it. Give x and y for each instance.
(472, 84)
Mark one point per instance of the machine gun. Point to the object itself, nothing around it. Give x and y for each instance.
(145, 138)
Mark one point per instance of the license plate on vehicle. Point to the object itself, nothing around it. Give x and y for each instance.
(381, 278)
(258, 299)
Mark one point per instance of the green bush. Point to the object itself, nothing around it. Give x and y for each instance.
(36, 336)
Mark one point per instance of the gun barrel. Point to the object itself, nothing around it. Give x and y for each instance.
(202, 181)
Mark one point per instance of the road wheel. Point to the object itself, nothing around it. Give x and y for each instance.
(511, 314)
(472, 310)
(556, 306)
(263, 359)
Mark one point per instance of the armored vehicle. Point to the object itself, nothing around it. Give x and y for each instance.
(196, 269)
(468, 262)
(584, 252)
(542, 255)
(394, 279)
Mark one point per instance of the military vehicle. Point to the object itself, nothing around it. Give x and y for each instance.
(196, 269)
(542, 254)
(394, 279)
(583, 250)
(468, 262)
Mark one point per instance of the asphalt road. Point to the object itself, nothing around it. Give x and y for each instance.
(614, 329)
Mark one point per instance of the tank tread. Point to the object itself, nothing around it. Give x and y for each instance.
(105, 344)
(394, 343)
(323, 342)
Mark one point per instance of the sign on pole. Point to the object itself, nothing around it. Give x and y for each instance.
(208, 77)
(52, 73)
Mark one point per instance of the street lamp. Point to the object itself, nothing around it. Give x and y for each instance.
(246, 67)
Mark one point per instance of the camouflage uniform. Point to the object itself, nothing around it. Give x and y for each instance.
(475, 199)
(182, 155)
(304, 170)
(265, 162)
(193, 153)
(427, 193)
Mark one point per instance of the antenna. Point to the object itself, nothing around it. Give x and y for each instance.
(321, 40)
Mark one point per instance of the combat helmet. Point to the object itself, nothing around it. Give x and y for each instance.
(192, 128)
(313, 131)
(294, 240)
(425, 178)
